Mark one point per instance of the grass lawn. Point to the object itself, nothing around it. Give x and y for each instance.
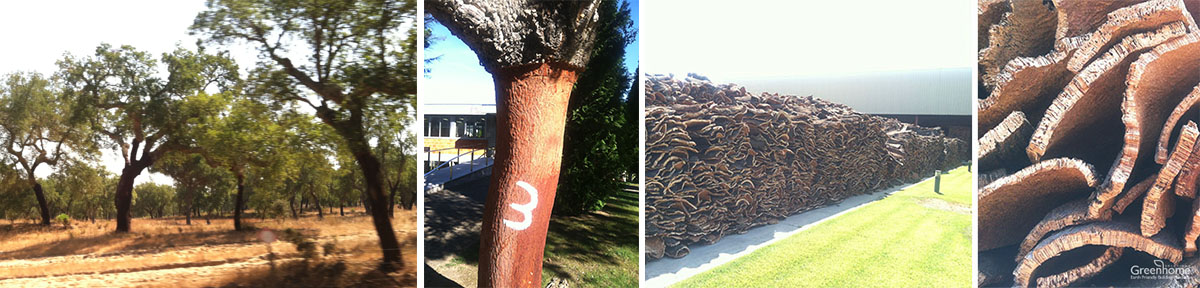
(598, 249)
(913, 238)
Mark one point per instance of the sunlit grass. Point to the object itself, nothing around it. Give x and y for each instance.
(894, 242)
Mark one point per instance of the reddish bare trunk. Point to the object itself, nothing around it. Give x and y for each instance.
(531, 117)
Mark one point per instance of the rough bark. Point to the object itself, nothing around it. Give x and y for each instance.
(43, 206)
(124, 197)
(239, 201)
(531, 118)
(373, 176)
(1017, 202)
(511, 33)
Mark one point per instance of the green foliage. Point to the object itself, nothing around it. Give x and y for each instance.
(63, 219)
(153, 200)
(592, 166)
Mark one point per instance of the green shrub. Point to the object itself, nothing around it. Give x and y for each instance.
(63, 219)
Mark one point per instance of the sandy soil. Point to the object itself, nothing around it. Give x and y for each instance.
(167, 252)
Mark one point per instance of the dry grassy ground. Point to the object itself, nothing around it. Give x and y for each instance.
(167, 252)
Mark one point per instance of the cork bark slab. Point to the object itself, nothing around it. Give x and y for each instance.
(1026, 31)
(1164, 139)
(1136, 192)
(1072, 213)
(1192, 230)
(1014, 204)
(1084, 272)
(1185, 183)
(990, 13)
(1076, 17)
(1025, 84)
(1156, 83)
(1127, 21)
(996, 266)
(1005, 142)
(1107, 234)
(986, 178)
(1087, 112)
(1159, 203)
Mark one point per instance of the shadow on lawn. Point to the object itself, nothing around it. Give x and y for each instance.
(453, 218)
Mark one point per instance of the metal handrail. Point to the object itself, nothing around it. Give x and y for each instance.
(487, 153)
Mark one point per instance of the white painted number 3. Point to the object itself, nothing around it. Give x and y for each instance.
(525, 209)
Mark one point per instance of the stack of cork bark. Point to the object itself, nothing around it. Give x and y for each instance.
(1088, 146)
(720, 161)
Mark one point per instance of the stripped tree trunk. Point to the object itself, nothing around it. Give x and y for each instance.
(531, 115)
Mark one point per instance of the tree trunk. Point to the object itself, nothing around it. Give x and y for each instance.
(41, 199)
(376, 204)
(531, 118)
(125, 195)
(292, 206)
(238, 202)
(342, 208)
(317, 202)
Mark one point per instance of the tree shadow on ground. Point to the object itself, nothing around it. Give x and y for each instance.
(329, 273)
(123, 242)
(452, 219)
(590, 238)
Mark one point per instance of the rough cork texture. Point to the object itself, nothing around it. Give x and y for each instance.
(1108, 234)
(1072, 213)
(1135, 193)
(1077, 17)
(986, 178)
(1127, 21)
(996, 266)
(1160, 202)
(1084, 272)
(1025, 84)
(990, 13)
(1087, 112)
(720, 160)
(1026, 31)
(1005, 141)
(1018, 201)
(1157, 81)
(1185, 183)
(1188, 104)
(506, 33)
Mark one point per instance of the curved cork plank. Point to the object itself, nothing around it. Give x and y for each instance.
(1110, 234)
(1072, 213)
(990, 13)
(1188, 104)
(1018, 201)
(1082, 273)
(1157, 81)
(1128, 21)
(1026, 31)
(1005, 141)
(1160, 202)
(1088, 109)
(1192, 230)
(1134, 193)
(995, 266)
(1026, 84)
(1185, 183)
(1077, 17)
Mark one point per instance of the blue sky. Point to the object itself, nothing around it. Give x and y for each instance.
(456, 76)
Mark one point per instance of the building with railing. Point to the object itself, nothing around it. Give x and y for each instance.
(450, 130)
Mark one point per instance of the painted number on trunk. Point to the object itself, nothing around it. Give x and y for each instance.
(525, 209)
